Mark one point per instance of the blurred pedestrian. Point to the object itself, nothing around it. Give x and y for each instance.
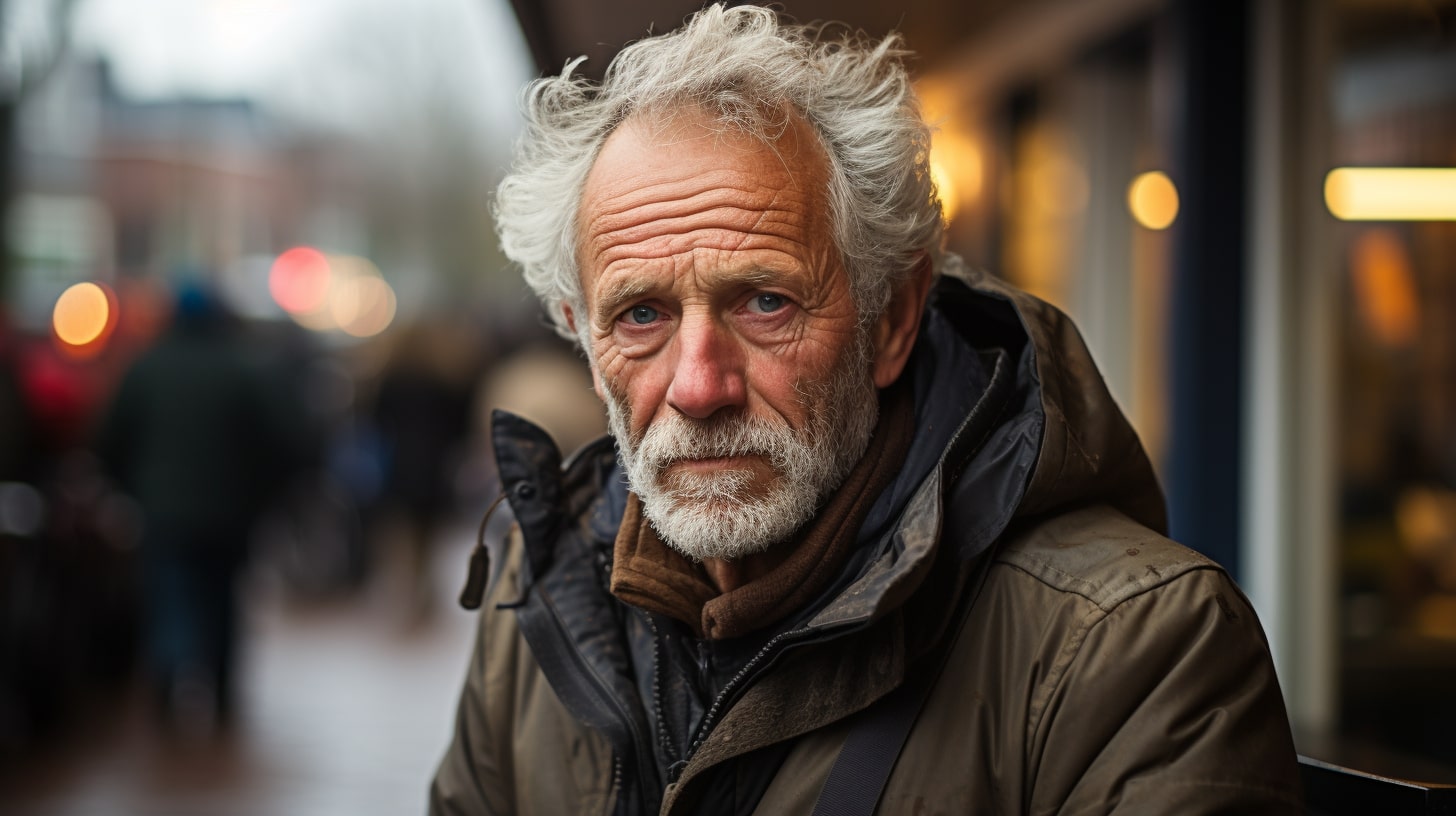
(198, 434)
(422, 413)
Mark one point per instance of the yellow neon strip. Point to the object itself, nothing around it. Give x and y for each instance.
(1392, 193)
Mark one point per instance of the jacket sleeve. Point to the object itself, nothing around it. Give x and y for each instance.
(1168, 704)
(475, 778)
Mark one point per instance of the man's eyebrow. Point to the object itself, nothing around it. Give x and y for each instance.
(618, 295)
(756, 276)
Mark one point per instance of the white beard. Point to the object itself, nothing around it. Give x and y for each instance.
(726, 514)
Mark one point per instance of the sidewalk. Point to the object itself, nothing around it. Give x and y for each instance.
(345, 708)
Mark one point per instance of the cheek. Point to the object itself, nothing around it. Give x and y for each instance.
(637, 386)
(608, 364)
(782, 387)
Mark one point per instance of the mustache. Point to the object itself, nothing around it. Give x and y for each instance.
(675, 437)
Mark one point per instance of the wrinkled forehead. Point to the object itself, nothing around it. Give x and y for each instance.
(777, 148)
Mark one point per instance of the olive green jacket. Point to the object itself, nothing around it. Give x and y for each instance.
(1100, 669)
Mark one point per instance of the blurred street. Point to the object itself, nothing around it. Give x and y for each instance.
(250, 294)
(345, 707)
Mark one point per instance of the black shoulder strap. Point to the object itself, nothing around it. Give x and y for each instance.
(863, 766)
(869, 753)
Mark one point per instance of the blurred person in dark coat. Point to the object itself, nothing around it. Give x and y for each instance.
(198, 433)
(422, 411)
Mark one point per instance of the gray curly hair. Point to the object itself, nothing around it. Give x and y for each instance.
(751, 72)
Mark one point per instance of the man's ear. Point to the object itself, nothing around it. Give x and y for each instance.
(570, 315)
(895, 332)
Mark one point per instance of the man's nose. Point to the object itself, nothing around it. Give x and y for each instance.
(710, 372)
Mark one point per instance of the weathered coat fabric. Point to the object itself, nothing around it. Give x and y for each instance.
(1100, 669)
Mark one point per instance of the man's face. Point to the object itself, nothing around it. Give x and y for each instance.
(722, 331)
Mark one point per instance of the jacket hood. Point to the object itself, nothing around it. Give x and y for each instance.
(1088, 453)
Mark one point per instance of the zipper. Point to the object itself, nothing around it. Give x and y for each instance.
(772, 649)
(617, 782)
(664, 735)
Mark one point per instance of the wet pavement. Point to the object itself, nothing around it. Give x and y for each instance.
(345, 708)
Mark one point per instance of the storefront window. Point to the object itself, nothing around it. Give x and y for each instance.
(1395, 107)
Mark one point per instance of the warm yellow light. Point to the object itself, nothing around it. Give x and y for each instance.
(945, 188)
(1385, 287)
(1392, 193)
(955, 167)
(1153, 200)
(82, 314)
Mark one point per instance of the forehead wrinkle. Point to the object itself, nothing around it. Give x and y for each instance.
(674, 236)
(615, 204)
(722, 228)
(762, 220)
(638, 206)
(664, 227)
(635, 193)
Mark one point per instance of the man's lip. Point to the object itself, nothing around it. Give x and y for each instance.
(711, 463)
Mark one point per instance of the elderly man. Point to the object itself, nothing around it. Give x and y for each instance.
(868, 532)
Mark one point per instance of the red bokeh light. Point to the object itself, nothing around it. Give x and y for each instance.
(299, 280)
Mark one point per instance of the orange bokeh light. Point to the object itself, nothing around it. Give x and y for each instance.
(1385, 287)
(83, 315)
(1153, 200)
(299, 280)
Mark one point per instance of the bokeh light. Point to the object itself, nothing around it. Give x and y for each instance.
(945, 187)
(365, 306)
(1153, 200)
(349, 295)
(955, 167)
(1385, 287)
(82, 314)
(299, 280)
(1391, 193)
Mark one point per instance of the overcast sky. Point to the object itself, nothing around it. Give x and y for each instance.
(339, 60)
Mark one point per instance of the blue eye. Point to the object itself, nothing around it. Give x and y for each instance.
(766, 303)
(642, 315)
